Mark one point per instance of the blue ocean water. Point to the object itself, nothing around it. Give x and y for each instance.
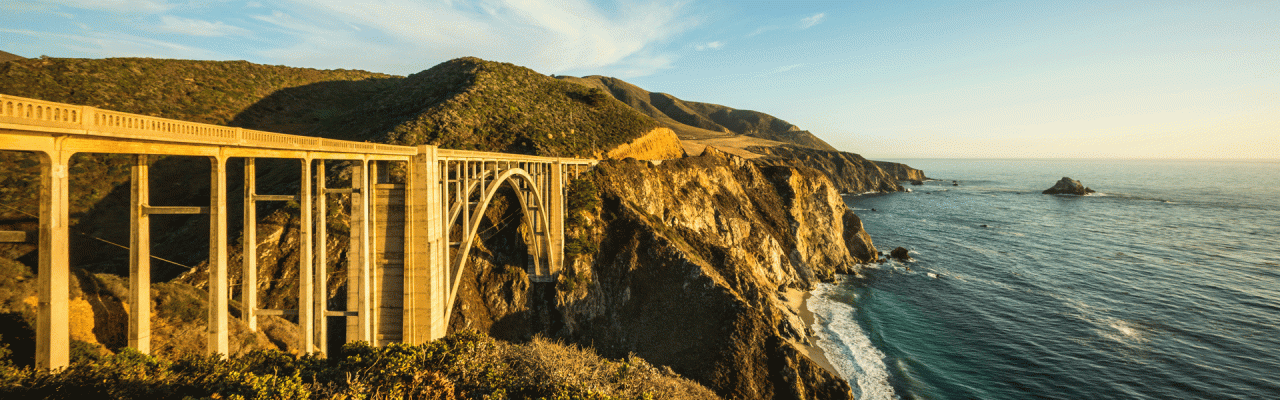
(1164, 285)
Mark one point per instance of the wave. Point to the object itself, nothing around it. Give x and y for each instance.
(847, 347)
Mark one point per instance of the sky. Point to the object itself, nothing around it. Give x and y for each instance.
(885, 79)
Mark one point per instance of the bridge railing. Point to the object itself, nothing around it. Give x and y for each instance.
(92, 121)
(469, 155)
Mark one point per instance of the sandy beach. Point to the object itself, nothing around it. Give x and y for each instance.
(796, 300)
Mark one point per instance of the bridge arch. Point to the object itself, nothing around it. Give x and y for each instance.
(530, 197)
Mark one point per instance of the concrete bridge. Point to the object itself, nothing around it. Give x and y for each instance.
(409, 239)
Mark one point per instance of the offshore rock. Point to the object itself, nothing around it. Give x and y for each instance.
(1068, 186)
(900, 254)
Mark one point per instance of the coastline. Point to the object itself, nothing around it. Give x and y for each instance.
(798, 300)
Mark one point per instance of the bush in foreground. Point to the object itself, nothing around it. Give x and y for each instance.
(465, 365)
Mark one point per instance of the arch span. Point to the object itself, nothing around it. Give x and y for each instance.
(530, 198)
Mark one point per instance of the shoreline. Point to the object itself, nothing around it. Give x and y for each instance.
(797, 300)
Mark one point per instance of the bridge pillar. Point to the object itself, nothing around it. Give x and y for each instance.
(306, 294)
(425, 276)
(555, 214)
(140, 258)
(218, 282)
(249, 246)
(359, 327)
(322, 260)
(53, 334)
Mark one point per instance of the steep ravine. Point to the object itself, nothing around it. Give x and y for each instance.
(692, 257)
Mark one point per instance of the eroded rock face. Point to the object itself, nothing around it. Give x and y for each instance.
(1068, 186)
(851, 173)
(691, 257)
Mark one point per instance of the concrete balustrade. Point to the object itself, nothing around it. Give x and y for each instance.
(403, 267)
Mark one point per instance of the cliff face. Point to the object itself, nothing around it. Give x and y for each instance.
(850, 172)
(692, 256)
(901, 172)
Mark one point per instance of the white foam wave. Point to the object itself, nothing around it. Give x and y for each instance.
(848, 347)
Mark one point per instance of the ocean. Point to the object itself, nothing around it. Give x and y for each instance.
(1163, 285)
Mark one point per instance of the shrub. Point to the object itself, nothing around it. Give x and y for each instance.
(466, 364)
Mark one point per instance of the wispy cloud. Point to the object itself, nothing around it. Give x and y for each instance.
(121, 6)
(780, 70)
(762, 29)
(716, 45)
(785, 68)
(550, 36)
(810, 21)
(195, 27)
(114, 44)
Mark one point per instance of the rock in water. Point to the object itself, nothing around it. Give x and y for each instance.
(1068, 186)
(900, 254)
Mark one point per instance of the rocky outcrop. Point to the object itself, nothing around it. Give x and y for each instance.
(851, 173)
(692, 255)
(658, 144)
(901, 172)
(1068, 186)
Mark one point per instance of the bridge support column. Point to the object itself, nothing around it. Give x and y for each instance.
(425, 275)
(555, 213)
(306, 294)
(140, 258)
(53, 334)
(218, 281)
(249, 246)
(359, 327)
(322, 260)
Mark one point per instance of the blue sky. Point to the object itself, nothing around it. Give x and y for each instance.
(1167, 79)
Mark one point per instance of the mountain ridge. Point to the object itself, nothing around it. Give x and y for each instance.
(702, 124)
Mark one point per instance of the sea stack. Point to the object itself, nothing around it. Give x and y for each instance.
(1068, 186)
(900, 254)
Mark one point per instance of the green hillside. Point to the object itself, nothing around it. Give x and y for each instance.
(214, 92)
(473, 104)
(695, 121)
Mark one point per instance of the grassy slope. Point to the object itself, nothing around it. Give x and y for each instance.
(468, 103)
(702, 121)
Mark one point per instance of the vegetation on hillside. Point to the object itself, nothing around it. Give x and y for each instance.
(465, 365)
(213, 92)
(697, 121)
(473, 104)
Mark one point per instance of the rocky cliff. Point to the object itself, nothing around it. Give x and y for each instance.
(850, 172)
(901, 172)
(691, 257)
